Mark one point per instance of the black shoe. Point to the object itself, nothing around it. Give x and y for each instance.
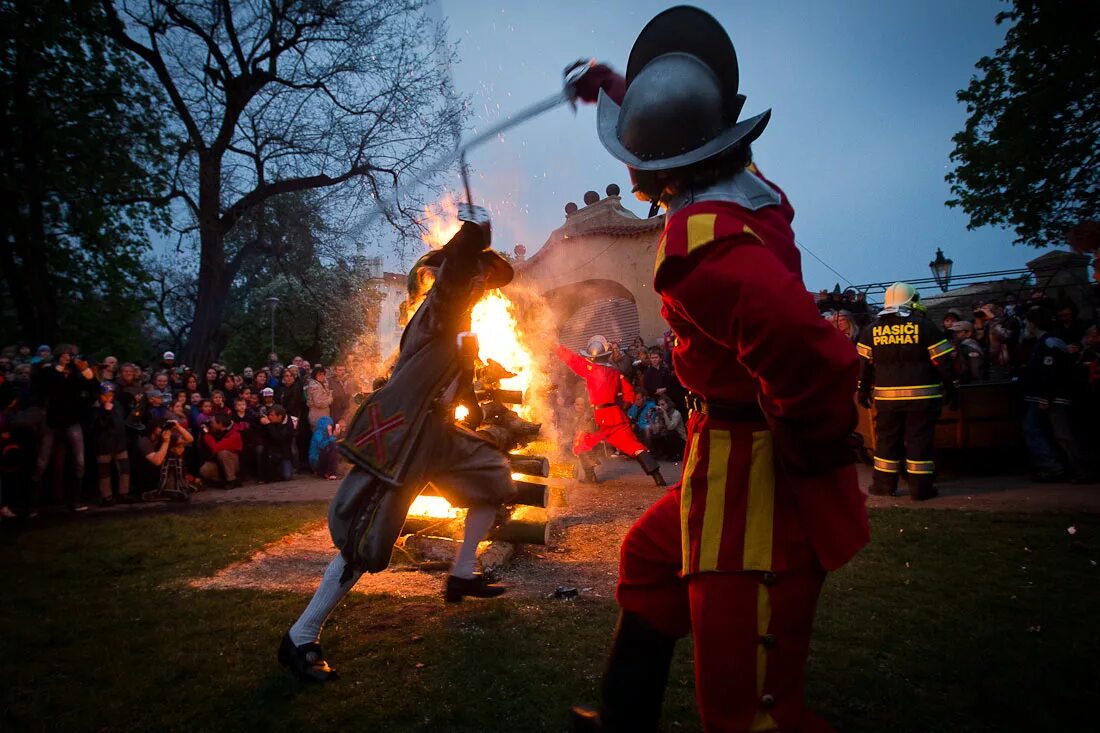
(106, 501)
(875, 490)
(1050, 477)
(584, 720)
(476, 587)
(305, 662)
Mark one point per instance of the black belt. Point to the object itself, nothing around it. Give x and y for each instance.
(726, 411)
(606, 404)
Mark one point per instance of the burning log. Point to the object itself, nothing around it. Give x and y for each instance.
(530, 465)
(525, 525)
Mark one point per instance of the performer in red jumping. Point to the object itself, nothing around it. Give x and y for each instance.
(737, 552)
(604, 383)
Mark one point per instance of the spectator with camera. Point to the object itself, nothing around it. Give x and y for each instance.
(667, 433)
(161, 449)
(222, 447)
(639, 413)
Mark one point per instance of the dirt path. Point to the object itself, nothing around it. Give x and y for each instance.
(583, 554)
(585, 534)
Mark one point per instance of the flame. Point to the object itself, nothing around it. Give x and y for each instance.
(440, 222)
(433, 506)
(498, 334)
(499, 338)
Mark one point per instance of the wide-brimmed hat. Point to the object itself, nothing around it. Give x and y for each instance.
(681, 105)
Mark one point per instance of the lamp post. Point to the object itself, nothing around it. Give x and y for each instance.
(941, 269)
(272, 302)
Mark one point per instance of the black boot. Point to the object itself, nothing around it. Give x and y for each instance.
(589, 467)
(306, 662)
(477, 587)
(651, 467)
(634, 682)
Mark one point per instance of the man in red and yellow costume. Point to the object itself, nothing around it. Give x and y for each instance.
(604, 383)
(737, 552)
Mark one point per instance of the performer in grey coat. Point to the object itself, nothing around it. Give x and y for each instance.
(404, 436)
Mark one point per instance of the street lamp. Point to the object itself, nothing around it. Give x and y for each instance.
(272, 302)
(941, 269)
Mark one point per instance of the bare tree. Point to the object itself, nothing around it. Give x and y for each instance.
(277, 96)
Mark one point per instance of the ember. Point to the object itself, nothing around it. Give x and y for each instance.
(440, 222)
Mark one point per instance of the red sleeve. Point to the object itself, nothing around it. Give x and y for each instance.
(742, 296)
(574, 361)
(628, 389)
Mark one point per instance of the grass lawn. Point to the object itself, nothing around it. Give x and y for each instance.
(949, 621)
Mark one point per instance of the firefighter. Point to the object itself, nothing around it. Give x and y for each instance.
(907, 374)
(737, 552)
(604, 383)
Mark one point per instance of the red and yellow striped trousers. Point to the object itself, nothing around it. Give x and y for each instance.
(722, 556)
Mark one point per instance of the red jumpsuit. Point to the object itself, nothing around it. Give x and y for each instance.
(604, 384)
(737, 552)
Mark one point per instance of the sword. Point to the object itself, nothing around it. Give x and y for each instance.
(567, 95)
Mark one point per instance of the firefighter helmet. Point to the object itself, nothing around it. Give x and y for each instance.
(900, 296)
(681, 103)
(597, 348)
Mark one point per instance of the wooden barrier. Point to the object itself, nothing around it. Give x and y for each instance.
(989, 415)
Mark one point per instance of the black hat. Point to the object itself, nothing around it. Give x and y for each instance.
(681, 104)
(497, 270)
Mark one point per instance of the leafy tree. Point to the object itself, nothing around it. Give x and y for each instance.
(81, 166)
(326, 305)
(1029, 157)
(274, 97)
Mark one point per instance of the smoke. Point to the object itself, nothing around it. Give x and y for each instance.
(538, 332)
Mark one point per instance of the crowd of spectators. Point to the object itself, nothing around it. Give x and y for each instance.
(1045, 350)
(159, 431)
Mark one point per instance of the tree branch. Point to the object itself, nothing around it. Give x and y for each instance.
(151, 56)
(290, 185)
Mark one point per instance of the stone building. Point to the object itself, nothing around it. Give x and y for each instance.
(596, 272)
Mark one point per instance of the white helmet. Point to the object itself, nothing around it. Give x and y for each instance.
(900, 296)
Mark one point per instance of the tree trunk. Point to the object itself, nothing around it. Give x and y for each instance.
(215, 276)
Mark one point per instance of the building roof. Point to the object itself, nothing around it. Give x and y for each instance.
(606, 217)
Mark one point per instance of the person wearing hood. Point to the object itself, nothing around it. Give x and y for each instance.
(323, 457)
